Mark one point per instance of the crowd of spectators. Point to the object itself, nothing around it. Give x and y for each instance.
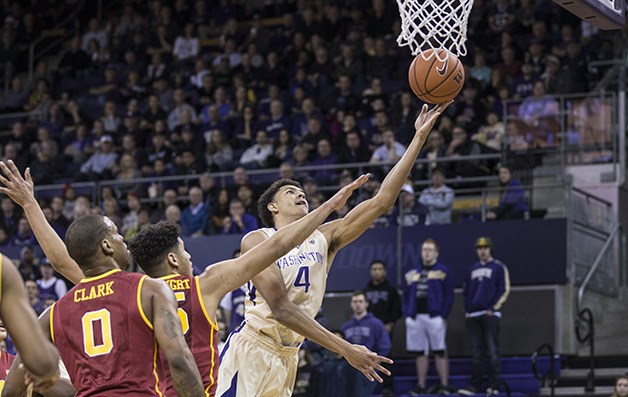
(163, 88)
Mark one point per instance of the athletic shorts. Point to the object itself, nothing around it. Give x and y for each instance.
(425, 333)
(254, 365)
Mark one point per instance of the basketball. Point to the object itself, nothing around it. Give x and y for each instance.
(435, 81)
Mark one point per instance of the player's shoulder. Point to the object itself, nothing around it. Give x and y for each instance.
(253, 238)
(5, 263)
(328, 229)
(152, 283)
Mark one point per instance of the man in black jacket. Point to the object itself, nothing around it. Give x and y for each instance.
(384, 303)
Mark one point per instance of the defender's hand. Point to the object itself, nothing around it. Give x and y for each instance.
(20, 189)
(340, 198)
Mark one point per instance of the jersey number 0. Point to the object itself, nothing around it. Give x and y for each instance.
(104, 344)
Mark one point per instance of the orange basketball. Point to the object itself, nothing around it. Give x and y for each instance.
(435, 81)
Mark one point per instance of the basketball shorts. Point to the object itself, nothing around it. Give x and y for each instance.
(254, 365)
(425, 333)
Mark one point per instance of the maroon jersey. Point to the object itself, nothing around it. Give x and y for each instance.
(104, 337)
(201, 334)
(6, 359)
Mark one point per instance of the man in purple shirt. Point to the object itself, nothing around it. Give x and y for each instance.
(367, 330)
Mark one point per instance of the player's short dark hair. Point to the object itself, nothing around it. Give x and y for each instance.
(268, 196)
(381, 262)
(84, 236)
(152, 244)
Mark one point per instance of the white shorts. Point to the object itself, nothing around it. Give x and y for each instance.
(254, 365)
(425, 333)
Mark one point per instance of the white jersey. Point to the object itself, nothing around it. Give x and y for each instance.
(304, 271)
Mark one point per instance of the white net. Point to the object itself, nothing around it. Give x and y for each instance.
(434, 24)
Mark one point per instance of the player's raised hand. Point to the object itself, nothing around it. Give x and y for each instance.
(426, 119)
(367, 362)
(338, 200)
(19, 188)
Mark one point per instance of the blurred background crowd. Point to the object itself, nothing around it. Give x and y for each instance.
(157, 89)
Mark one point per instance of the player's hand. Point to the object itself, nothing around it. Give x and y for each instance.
(19, 189)
(367, 362)
(39, 383)
(426, 119)
(340, 198)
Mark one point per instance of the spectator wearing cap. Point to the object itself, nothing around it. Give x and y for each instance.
(486, 288)
(99, 165)
(48, 284)
(438, 199)
(408, 212)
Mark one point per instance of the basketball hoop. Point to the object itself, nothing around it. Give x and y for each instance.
(434, 24)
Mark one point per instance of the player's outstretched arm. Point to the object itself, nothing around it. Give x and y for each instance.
(269, 283)
(159, 303)
(21, 190)
(219, 279)
(31, 340)
(341, 232)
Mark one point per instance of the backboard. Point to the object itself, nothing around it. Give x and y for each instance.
(605, 14)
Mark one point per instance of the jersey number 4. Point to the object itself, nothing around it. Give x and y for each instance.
(303, 278)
